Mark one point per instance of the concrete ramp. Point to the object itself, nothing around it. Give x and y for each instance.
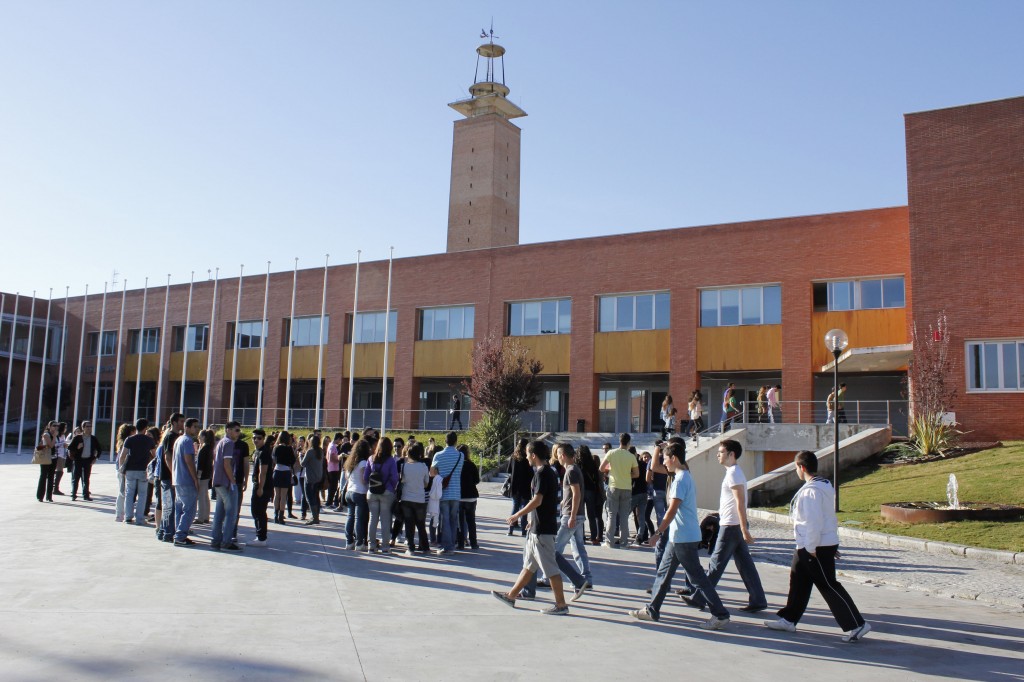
(707, 473)
(779, 485)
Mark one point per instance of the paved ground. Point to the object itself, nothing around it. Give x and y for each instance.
(84, 598)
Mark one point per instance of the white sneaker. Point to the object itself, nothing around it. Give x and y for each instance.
(258, 543)
(780, 624)
(715, 623)
(857, 634)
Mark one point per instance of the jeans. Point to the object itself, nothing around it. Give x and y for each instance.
(258, 506)
(185, 498)
(166, 528)
(641, 508)
(119, 505)
(449, 524)
(517, 504)
(224, 516)
(380, 513)
(311, 497)
(660, 506)
(619, 500)
(467, 524)
(238, 512)
(356, 525)
(659, 549)
(684, 554)
(415, 514)
(579, 546)
(135, 489)
(81, 471)
(731, 545)
(44, 490)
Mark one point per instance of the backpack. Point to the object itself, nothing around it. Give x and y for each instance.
(153, 468)
(376, 481)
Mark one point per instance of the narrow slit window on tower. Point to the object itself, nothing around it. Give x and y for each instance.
(470, 168)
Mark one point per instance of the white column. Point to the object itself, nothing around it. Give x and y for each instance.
(24, 381)
(99, 361)
(320, 346)
(188, 328)
(209, 353)
(10, 370)
(291, 331)
(138, 350)
(384, 379)
(234, 346)
(42, 370)
(352, 347)
(63, 348)
(81, 351)
(117, 371)
(163, 342)
(263, 349)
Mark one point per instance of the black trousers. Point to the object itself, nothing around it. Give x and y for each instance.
(593, 504)
(44, 490)
(415, 515)
(819, 571)
(258, 505)
(333, 478)
(82, 471)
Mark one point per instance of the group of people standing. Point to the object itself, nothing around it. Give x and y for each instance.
(56, 451)
(691, 423)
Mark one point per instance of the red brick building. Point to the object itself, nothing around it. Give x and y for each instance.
(612, 345)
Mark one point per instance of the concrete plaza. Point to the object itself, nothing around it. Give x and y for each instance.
(85, 598)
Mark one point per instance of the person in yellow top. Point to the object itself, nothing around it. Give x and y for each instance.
(621, 468)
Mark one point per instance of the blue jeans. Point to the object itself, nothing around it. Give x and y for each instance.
(731, 545)
(135, 489)
(579, 544)
(185, 500)
(358, 518)
(517, 504)
(225, 516)
(659, 549)
(166, 528)
(660, 506)
(684, 554)
(449, 524)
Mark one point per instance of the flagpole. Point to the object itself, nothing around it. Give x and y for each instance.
(63, 348)
(3, 301)
(352, 346)
(138, 350)
(291, 333)
(320, 346)
(117, 372)
(234, 345)
(163, 345)
(81, 350)
(24, 381)
(99, 356)
(387, 322)
(184, 358)
(10, 369)
(42, 369)
(263, 349)
(209, 354)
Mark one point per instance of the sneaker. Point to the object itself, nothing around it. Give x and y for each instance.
(119, 519)
(578, 593)
(87, 498)
(309, 523)
(258, 543)
(555, 611)
(715, 623)
(753, 609)
(690, 601)
(127, 522)
(857, 634)
(74, 498)
(644, 614)
(590, 585)
(386, 550)
(545, 584)
(360, 548)
(444, 552)
(409, 552)
(232, 547)
(780, 624)
(182, 543)
(608, 545)
(503, 598)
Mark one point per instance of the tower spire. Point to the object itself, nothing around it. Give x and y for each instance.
(488, 96)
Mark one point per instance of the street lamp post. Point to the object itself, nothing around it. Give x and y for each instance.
(836, 342)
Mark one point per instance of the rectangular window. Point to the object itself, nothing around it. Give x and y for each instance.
(306, 330)
(532, 318)
(369, 327)
(746, 306)
(634, 312)
(109, 346)
(150, 340)
(862, 294)
(253, 334)
(893, 295)
(840, 296)
(606, 399)
(438, 324)
(995, 365)
(198, 338)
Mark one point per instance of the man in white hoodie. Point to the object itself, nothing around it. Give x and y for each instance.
(814, 561)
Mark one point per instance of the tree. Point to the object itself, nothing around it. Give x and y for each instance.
(932, 391)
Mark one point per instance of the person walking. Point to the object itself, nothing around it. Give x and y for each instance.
(83, 450)
(774, 400)
(522, 476)
(696, 409)
(684, 541)
(539, 551)
(667, 417)
(762, 403)
(622, 467)
(467, 502)
(381, 478)
(841, 404)
(730, 407)
(448, 464)
(456, 412)
(262, 485)
(225, 512)
(734, 533)
(415, 481)
(185, 478)
(815, 529)
(312, 462)
(357, 523)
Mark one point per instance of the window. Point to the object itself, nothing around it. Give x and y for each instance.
(369, 327)
(746, 306)
(306, 331)
(995, 365)
(437, 324)
(863, 294)
(150, 340)
(39, 333)
(253, 334)
(109, 346)
(633, 312)
(606, 399)
(532, 318)
(198, 338)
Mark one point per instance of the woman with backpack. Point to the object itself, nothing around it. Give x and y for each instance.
(522, 476)
(381, 478)
(355, 497)
(312, 462)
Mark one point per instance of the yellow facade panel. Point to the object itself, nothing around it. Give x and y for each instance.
(150, 367)
(303, 363)
(249, 364)
(551, 349)
(370, 360)
(196, 365)
(625, 352)
(748, 347)
(450, 358)
(866, 328)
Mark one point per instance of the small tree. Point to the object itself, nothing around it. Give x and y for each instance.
(504, 384)
(932, 390)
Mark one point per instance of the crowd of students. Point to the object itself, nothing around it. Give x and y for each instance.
(396, 490)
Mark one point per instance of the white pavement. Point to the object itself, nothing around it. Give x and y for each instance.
(85, 598)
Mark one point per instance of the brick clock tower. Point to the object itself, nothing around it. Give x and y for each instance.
(483, 204)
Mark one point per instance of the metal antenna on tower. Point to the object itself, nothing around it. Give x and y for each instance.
(113, 277)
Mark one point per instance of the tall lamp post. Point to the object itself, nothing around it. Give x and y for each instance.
(836, 342)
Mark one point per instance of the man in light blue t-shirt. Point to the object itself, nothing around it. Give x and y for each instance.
(684, 540)
(448, 465)
(186, 483)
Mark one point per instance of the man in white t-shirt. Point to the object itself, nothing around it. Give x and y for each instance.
(773, 402)
(733, 534)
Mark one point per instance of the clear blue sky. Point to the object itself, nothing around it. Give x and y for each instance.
(165, 137)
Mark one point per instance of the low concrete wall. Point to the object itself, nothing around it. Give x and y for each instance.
(798, 437)
(708, 474)
(779, 485)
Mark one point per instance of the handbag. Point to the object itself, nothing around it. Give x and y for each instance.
(506, 487)
(42, 456)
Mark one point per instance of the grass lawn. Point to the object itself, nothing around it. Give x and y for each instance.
(987, 476)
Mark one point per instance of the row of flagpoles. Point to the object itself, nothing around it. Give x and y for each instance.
(184, 368)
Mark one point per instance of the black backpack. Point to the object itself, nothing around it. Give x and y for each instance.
(376, 483)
